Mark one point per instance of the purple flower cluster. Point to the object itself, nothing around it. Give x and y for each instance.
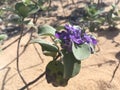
(74, 34)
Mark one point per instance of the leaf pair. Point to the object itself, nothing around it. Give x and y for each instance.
(59, 73)
(24, 10)
(48, 48)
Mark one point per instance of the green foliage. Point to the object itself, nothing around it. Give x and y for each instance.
(64, 65)
(25, 10)
(71, 65)
(27, 2)
(54, 73)
(92, 12)
(81, 52)
(22, 10)
(113, 16)
(39, 3)
(46, 47)
(92, 19)
(59, 73)
(1, 12)
(96, 17)
(46, 30)
(3, 37)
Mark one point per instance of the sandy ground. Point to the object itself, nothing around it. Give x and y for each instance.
(95, 74)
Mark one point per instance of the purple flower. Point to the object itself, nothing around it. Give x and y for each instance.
(90, 39)
(64, 37)
(75, 35)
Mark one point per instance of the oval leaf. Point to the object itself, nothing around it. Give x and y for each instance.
(21, 9)
(54, 73)
(46, 46)
(71, 65)
(81, 52)
(46, 30)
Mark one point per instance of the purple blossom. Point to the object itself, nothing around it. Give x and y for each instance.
(73, 34)
(89, 39)
(64, 37)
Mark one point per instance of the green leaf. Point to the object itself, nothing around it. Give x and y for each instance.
(71, 65)
(93, 26)
(25, 10)
(21, 9)
(46, 30)
(41, 2)
(116, 18)
(100, 20)
(33, 9)
(59, 28)
(49, 53)
(81, 52)
(3, 37)
(27, 1)
(54, 73)
(57, 40)
(46, 46)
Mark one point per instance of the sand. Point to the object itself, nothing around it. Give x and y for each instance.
(95, 74)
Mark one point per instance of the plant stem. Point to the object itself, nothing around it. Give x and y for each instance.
(18, 49)
(14, 41)
(115, 72)
(32, 82)
(4, 80)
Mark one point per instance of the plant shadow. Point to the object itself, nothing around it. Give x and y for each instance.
(109, 33)
(118, 55)
(109, 62)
